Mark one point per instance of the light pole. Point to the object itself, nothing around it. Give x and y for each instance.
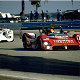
(22, 12)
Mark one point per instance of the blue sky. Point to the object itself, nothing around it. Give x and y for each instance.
(14, 6)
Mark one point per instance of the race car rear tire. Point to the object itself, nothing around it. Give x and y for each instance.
(38, 43)
(24, 45)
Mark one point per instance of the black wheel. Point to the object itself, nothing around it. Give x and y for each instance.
(35, 45)
(24, 45)
(38, 42)
(24, 41)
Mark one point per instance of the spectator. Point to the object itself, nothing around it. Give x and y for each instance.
(60, 12)
(36, 15)
(31, 16)
(47, 15)
(42, 14)
(58, 15)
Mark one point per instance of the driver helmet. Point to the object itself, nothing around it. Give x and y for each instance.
(51, 31)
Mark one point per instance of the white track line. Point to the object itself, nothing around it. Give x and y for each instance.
(19, 77)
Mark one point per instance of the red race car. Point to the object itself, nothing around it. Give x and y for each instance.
(50, 39)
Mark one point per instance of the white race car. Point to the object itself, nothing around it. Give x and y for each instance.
(6, 35)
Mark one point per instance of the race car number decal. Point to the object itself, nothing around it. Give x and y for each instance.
(63, 41)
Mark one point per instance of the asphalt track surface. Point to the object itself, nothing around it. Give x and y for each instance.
(38, 65)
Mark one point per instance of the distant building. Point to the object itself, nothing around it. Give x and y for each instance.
(5, 15)
(9, 18)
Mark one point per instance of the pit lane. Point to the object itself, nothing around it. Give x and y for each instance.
(46, 64)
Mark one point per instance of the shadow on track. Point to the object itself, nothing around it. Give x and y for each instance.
(22, 49)
(19, 49)
(39, 65)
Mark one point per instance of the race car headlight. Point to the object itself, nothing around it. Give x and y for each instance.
(45, 43)
(48, 47)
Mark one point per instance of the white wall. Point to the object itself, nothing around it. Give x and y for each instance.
(4, 15)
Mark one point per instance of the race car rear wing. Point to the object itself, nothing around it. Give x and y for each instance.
(28, 28)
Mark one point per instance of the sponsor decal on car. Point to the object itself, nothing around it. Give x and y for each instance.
(45, 38)
(63, 41)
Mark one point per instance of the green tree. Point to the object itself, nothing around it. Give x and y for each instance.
(36, 3)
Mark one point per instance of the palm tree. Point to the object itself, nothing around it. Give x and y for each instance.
(36, 3)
